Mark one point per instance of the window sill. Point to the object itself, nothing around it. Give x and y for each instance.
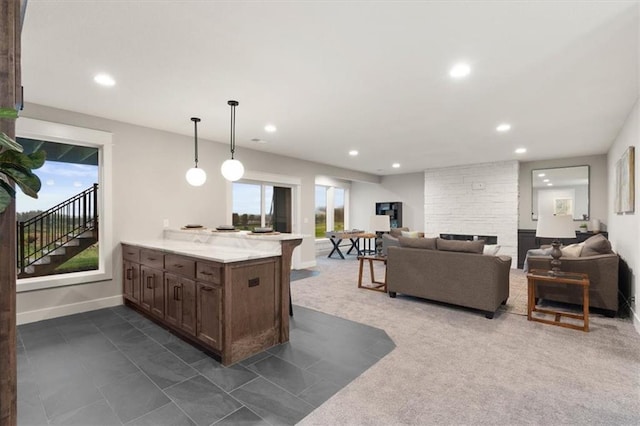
(62, 280)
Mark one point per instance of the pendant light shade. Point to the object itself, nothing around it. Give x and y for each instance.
(194, 175)
(232, 169)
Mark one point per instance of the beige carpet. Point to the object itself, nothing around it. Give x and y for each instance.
(454, 366)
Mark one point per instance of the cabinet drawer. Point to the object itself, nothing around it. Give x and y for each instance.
(210, 272)
(152, 258)
(130, 253)
(180, 265)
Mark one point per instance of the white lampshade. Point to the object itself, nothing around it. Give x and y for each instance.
(196, 176)
(232, 170)
(380, 223)
(558, 226)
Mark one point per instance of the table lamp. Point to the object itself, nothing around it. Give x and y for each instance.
(379, 224)
(556, 227)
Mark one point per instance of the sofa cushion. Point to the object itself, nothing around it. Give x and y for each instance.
(411, 234)
(595, 245)
(421, 243)
(397, 232)
(461, 246)
(572, 250)
(491, 249)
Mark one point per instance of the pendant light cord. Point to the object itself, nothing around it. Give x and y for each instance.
(233, 105)
(195, 131)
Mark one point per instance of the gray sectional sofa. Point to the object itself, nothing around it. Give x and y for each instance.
(454, 272)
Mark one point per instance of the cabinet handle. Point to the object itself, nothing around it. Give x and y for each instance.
(205, 273)
(151, 258)
(130, 254)
(130, 273)
(149, 284)
(206, 288)
(177, 265)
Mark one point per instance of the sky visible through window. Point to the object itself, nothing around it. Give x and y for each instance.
(60, 181)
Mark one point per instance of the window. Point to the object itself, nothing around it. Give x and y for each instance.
(89, 162)
(330, 209)
(63, 215)
(261, 205)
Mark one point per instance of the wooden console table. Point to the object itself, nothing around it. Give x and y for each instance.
(570, 278)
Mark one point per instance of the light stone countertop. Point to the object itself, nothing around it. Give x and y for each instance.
(223, 247)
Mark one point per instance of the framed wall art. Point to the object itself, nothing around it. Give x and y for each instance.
(625, 182)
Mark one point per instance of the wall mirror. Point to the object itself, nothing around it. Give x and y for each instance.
(562, 190)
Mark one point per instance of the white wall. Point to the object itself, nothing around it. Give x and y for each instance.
(406, 188)
(597, 186)
(479, 199)
(624, 228)
(149, 186)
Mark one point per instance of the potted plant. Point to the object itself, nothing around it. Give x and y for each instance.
(583, 227)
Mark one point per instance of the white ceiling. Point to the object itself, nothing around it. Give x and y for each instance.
(335, 76)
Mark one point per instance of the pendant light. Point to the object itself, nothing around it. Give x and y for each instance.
(194, 175)
(232, 169)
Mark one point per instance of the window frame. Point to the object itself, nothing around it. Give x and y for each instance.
(330, 207)
(103, 141)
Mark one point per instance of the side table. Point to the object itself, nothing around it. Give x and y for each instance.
(570, 278)
(377, 285)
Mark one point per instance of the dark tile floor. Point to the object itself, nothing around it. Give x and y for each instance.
(115, 367)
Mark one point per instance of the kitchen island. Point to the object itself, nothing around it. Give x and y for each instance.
(225, 292)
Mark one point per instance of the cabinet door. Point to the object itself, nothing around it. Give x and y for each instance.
(209, 309)
(180, 302)
(172, 306)
(131, 281)
(146, 286)
(153, 290)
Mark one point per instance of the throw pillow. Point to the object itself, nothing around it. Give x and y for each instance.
(397, 232)
(595, 245)
(421, 243)
(461, 246)
(410, 234)
(491, 249)
(572, 250)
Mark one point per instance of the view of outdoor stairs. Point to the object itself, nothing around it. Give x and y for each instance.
(48, 264)
(52, 237)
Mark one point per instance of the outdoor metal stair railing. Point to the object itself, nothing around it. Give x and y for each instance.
(41, 235)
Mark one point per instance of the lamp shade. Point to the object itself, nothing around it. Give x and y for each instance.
(380, 223)
(196, 176)
(232, 170)
(558, 226)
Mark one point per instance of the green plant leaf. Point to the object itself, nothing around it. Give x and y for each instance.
(5, 199)
(8, 113)
(31, 161)
(8, 143)
(8, 188)
(23, 177)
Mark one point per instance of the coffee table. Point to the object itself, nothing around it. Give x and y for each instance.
(376, 285)
(560, 278)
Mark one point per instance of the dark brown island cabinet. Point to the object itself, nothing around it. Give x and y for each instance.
(231, 310)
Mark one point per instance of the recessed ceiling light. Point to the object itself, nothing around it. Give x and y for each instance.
(549, 184)
(104, 80)
(504, 127)
(353, 152)
(546, 180)
(270, 128)
(460, 70)
(521, 150)
(396, 165)
(258, 140)
(541, 175)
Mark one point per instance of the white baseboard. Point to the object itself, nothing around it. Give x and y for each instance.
(308, 264)
(70, 309)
